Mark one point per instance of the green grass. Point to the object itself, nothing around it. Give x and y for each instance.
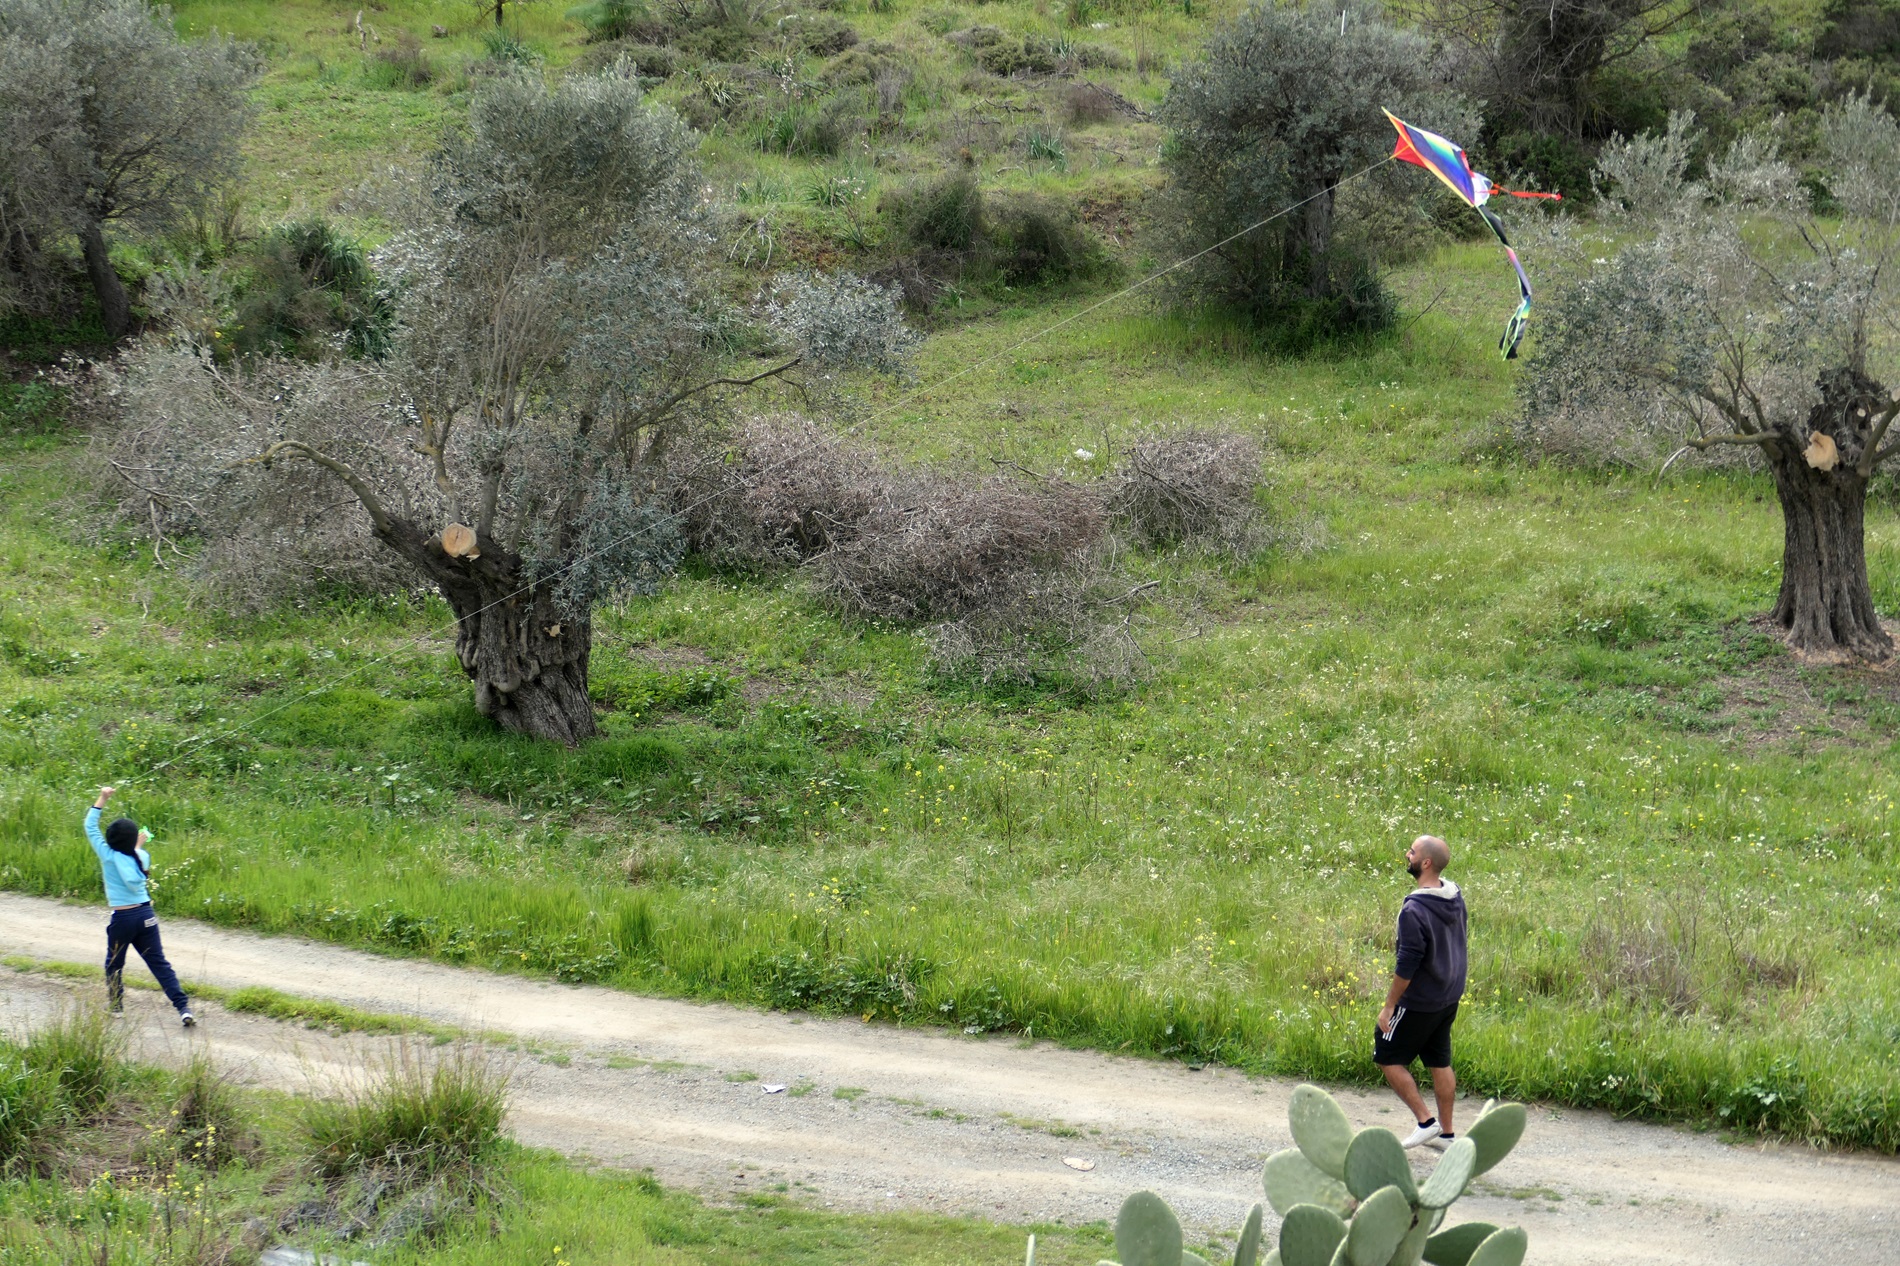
(1548, 669)
(1678, 845)
(169, 1167)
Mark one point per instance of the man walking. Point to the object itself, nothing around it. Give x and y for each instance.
(1415, 1022)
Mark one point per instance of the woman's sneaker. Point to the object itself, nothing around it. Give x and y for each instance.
(1425, 1133)
(187, 1019)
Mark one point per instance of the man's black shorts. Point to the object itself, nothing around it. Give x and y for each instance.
(1420, 1035)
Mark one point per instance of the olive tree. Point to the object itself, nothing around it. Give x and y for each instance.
(110, 122)
(1726, 316)
(558, 338)
(1282, 104)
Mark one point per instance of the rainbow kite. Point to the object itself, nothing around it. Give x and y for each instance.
(1447, 162)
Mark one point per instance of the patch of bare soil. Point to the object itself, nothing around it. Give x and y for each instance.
(1787, 701)
(870, 1117)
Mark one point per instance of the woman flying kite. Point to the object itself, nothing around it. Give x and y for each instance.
(1448, 162)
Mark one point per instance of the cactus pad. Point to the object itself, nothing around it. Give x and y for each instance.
(1146, 1232)
(1496, 1132)
(1502, 1248)
(1309, 1235)
(1455, 1247)
(1320, 1128)
(1374, 1160)
(1378, 1226)
(1291, 1179)
(1247, 1252)
(1192, 1259)
(1452, 1174)
(1411, 1249)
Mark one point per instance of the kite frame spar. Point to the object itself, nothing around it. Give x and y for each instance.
(1448, 162)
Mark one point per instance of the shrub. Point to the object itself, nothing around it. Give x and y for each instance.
(1014, 577)
(607, 20)
(82, 1051)
(412, 1117)
(945, 215)
(1270, 118)
(309, 285)
(823, 35)
(1087, 103)
(943, 547)
(785, 491)
(405, 65)
(1191, 485)
(1039, 241)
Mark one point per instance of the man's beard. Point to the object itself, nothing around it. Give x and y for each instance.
(1414, 869)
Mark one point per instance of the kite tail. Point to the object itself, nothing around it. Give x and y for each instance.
(1514, 328)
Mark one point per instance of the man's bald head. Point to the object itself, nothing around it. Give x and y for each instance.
(1433, 852)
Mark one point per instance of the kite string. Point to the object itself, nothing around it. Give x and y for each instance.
(200, 741)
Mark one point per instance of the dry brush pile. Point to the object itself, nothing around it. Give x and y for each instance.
(1010, 575)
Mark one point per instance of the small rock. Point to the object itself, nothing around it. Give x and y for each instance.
(254, 1234)
(439, 32)
(771, 1088)
(1077, 1162)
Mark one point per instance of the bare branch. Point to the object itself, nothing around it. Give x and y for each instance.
(1763, 438)
(1870, 456)
(678, 398)
(357, 484)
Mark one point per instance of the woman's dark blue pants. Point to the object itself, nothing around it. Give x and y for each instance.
(137, 929)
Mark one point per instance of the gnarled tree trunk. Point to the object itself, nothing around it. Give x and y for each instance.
(1826, 605)
(114, 306)
(527, 659)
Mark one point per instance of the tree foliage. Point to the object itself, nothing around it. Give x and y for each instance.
(1724, 315)
(557, 340)
(109, 120)
(1281, 106)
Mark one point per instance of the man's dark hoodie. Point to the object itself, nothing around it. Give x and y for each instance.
(1432, 947)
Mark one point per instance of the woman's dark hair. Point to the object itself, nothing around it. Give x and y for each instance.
(122, 836)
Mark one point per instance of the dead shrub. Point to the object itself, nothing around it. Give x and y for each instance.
(1010, 576)
(1088, 104)
(941, 547)
(1644, 960)
(779, 490)
(172, 432)
(1190, 486)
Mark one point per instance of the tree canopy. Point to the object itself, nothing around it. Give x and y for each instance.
(109, 120)
(1728, 314)
(558, 352)
(1282, 105)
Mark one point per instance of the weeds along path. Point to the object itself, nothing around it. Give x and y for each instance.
(875, 1117)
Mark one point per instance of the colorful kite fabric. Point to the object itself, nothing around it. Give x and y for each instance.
(1448, 162)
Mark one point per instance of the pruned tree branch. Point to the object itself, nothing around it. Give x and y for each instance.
(1753, 437)
(357, 484)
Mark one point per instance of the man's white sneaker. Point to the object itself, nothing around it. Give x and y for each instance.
(1442, 1142)
(1423, 1134)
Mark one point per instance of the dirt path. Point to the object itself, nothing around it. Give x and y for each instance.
(881, 1118)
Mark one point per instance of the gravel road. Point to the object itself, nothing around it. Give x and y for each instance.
(876, 1117)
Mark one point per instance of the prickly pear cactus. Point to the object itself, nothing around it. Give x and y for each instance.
(1350, 1199)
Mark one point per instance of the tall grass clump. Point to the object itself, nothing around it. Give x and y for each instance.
(83, 1053)
(414, 1116)
(30, 1115)
(208, 1125)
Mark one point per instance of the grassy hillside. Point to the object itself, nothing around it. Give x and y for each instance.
(1677, 843)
